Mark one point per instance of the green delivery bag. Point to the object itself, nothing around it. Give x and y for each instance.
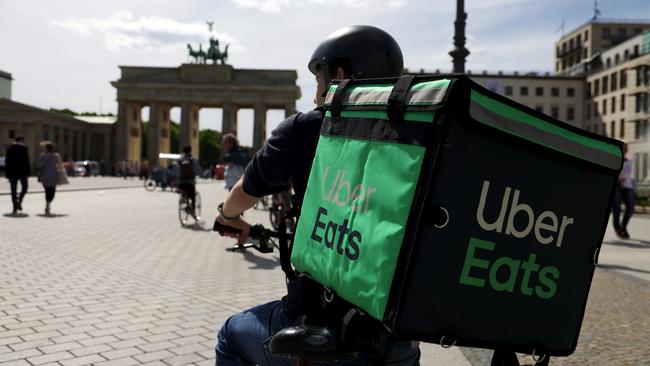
(452, 214)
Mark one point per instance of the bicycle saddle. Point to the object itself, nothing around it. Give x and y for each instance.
(310, 343)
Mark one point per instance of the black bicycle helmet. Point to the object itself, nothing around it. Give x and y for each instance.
(368, 51)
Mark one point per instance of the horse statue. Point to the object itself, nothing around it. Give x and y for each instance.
(215, 54)
(199, 56)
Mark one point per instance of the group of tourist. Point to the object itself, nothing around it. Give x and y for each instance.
(17, 169)
(52, 171)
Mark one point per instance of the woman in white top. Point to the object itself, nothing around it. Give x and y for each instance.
(624, 194)
(48, 165)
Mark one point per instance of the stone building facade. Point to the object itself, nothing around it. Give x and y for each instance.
(73, 138)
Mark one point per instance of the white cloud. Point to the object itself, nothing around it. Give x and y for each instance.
(277, 6)
(123, 31)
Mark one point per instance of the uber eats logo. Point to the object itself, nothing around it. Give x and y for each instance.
(515, 275)
(337, 190)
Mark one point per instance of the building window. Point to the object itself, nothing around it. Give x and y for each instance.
(612, 129)
(622, 102)
(508, 90)
(622, 34)
(604, 107)
(555, 112)
(626, 55)
(596, 109)
(596, 87)
(589, 90)
(539, 91)
(617, 59)
(613, 104)
(570, 114)
(608, 63)
(636, 51)
(613, 85)
(555, 92)
(605, 84)
(586, 35)
(623, 78)
(523, 91)
(570, 92)
(621, 129)
(604, 32)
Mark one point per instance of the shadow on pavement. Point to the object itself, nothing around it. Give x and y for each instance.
(623, 268)
(261, 262)
(21, 215)
(51, 216)
(196, 227)
(632, 243)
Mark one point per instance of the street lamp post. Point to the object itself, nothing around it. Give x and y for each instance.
(459, 53)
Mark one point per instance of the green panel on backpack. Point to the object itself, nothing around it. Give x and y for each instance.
(354, 215)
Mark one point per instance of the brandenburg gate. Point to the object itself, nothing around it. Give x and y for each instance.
(192, 87)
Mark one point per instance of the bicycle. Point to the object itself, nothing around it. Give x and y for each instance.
(185, 208)
(261, 238)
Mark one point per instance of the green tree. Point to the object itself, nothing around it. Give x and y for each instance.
(174, 137)
(209, 147)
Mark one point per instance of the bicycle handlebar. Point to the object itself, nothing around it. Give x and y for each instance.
(261, 235)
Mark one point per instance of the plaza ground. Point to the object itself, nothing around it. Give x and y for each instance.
(112, 279)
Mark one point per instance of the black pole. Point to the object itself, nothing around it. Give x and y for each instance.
(459, 53)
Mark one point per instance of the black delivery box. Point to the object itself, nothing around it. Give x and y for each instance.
(502, 234)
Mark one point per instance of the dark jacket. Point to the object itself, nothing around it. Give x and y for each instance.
(286, 157)
(17, 161)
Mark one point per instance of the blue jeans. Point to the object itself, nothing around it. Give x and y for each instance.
(244, 337)
(625, 195)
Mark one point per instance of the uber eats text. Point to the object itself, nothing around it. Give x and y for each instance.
(340, 236)
(522, 275)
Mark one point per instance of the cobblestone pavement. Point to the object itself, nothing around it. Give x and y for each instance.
(112, 279)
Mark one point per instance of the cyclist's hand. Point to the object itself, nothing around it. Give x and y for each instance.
(240, 224)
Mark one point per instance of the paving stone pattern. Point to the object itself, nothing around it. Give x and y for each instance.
(112, 279)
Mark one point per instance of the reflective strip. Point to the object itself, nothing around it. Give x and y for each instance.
(415, 116)
(526, 126)
(425, 93)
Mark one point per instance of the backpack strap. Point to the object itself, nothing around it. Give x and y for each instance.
(285, 248)
(337, 99)
(397, 98)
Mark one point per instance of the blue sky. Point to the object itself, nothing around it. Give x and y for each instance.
(64, 53)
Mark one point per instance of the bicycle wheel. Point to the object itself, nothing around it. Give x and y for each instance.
(197, 207)
(150, 185)
(183, 209)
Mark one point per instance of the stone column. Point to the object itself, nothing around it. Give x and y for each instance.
(68, 145)
(158, 139)
(58, 140)
(289, 108)
(120, 145)
(86, 145)
(229, 120)
(189, 127)
(134, 131)
(259, 126)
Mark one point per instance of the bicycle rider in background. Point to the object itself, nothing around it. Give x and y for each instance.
(187, 170)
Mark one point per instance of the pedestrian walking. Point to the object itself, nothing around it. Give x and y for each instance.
(625, 194)
(17, 169)
(49, 164)
(235, 158)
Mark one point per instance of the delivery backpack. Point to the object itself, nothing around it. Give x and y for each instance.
(454, 215)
